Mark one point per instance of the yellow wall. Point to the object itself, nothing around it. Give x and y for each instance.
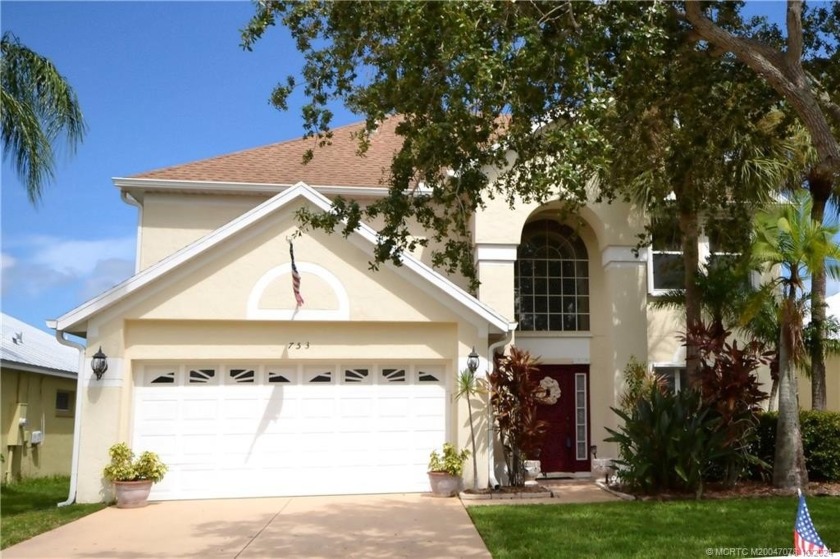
(38, 391)
(171, 222)
(832, 386)
(200, 311)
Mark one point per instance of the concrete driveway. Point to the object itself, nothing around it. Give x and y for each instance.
(371, 526)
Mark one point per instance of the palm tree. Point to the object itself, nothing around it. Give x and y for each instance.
(38, 106)
(824, 192)
(787, 237)
(469, 386)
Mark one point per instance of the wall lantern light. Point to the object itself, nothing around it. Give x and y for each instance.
(472, 361)
(99, 363)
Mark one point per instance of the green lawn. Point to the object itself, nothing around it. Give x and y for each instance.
(28, 508)
(715, 528)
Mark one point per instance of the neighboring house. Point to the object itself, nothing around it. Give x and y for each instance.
(38, 401)
(243, 392)
(832, 370)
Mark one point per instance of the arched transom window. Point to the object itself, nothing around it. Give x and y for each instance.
(551, 279)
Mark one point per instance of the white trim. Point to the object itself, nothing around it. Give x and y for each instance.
(677, 381)
(164, 185)
(132, 201)
(26, 367)
(489, 252)
(585, 419)
(617, 254)
(558, 350)
(254, 312)
(366, 236)
(650, 275)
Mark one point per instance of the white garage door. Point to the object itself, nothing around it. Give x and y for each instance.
(248, 431)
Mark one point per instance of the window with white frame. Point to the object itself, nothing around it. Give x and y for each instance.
(551, 281)
(674, 375)
(665, 265)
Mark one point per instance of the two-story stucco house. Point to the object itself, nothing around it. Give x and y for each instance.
(245, 392)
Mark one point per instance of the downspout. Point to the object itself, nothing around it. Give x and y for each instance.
(491, 462)
(132, 201)
(77, 425)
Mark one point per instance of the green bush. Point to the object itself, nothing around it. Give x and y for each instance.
(668, 442)
(820, 439)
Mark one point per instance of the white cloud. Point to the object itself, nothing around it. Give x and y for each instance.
(79, 257)
(33, 266)
(6, 261)
(106, 275)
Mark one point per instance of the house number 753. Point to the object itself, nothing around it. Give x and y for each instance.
(298, 345)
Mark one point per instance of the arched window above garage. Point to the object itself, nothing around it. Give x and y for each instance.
(551, 279)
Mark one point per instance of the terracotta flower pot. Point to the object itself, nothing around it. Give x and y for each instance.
(132, 494)
(444, 485)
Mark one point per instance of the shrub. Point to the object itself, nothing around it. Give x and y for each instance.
(820, 439)
(638, 381)
(124, 467)
(728, 384)
(451, 461)
(514, 394)
(667, 442)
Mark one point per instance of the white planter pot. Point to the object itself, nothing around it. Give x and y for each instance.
(532, 470)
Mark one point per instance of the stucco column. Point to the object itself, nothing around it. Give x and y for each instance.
(495, 272)
(626, 333)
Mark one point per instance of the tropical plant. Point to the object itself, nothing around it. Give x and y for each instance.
(514, 396)
(787, 237)
(469, 387)
(728, 384)
(638, 382)
(38, 106)
(450, 461)
(124, 466)
(668, 442)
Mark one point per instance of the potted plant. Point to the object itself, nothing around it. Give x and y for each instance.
(133, 478)
(445, 470)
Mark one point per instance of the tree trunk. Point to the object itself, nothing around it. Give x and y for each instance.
(472, 437)
(774, 386)
(690, 229)
(789, 463)
(820, 193)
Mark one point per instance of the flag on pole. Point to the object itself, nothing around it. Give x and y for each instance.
(806, 541)
(295, 276)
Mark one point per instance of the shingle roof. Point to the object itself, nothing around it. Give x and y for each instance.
(337, 164)
(26, 345)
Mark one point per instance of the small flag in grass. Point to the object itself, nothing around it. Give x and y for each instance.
(806, 541)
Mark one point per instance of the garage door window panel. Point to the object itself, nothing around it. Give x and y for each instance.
(203, 376)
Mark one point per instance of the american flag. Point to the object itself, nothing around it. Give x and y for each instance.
(295, 276)
(806, 541)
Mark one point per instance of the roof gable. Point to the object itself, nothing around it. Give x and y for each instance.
(365, 237)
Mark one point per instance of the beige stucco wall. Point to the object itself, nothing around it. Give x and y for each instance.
(832, 386)
(170, 222)
(200, 312)
(38, 391)
(618, 294)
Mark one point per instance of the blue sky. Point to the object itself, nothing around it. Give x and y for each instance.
(160, 83)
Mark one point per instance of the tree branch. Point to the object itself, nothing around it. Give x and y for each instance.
(794, 31)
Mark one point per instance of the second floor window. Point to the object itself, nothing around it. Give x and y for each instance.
(551, 279)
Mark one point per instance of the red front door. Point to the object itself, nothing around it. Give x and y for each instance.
(566, 444)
